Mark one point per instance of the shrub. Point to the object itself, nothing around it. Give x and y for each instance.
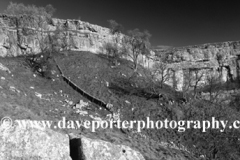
(114, 52)
(211, 144)
(138, 44)
(30, 10)
(40, 64)
(115, 27)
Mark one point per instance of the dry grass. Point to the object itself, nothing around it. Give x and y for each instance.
(93, 74)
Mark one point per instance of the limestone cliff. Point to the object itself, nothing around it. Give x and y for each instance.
(219, 59)
(15, 41)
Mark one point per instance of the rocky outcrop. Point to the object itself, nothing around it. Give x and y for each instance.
(221, 60)
(16, 40)
(28, 143)
(90, 149)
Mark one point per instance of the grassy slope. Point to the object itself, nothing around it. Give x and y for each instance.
(93, 74)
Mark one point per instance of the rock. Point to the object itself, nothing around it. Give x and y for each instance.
(83, 36)
(4, 68)
(28, 143)
(219, 59)
(88, 37)
(90, 149)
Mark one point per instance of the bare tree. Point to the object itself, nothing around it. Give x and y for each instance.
(161, 72)
(114, 51)
(214, 86)
(30, 20)
(115, 27)
(195, 80)
(138, 43)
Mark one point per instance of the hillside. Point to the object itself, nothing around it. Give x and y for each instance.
(27, 95)
(72, 90)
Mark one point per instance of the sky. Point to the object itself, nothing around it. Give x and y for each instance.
(171, 22)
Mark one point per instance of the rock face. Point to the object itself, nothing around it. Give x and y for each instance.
(220, 60)
(16, 40)
(187, 63)
(32, 143)
(89, 149)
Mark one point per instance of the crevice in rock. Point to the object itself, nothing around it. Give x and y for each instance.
(230, 76)
(76, 152)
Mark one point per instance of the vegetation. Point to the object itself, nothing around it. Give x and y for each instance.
(133, 45)
(28, 17)
(115, 27)
(138, 43)
(210, 145)
(132, 95)
(213, 144)
(114, 52)
(161, 73)
(18, 9)
(39, 64)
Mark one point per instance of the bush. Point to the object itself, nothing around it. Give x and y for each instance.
(40, 64)
(211, 144)
(30, 10)
(114, 52)
(138, 44)
(115, 27)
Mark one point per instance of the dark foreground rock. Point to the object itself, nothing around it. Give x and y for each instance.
(90, 149)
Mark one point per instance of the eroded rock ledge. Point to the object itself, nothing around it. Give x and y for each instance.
(219, 59)
(14, 41)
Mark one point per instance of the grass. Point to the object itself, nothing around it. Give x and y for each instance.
(119, 85)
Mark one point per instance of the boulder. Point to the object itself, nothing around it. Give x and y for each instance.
(83, 148)
(30, 143)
